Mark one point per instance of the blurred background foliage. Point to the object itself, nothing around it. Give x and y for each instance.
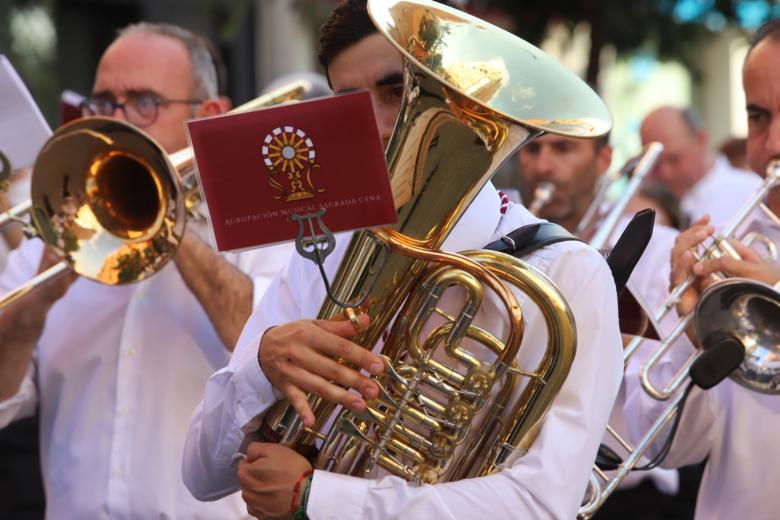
(55, 44)
(668, 29)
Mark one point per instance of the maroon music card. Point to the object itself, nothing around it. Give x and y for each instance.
(257, 169)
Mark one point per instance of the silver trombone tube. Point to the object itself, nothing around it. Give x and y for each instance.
(601, 494)
(15, 213)
(593, 212)
(643, 167)
(602, 486)
(718, 247)
(542, 195)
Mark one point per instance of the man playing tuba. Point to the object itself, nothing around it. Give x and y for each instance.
(282, 352)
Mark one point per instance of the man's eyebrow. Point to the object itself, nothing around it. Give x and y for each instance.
(752, 107)
(394, 78)
(128, 92)
(102, 94)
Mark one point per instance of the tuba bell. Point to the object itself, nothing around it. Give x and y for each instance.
(473, 94)
(110, 201)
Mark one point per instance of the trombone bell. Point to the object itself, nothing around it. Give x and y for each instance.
(104, 198)
(749, 312)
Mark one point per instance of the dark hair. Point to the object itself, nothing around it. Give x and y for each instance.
(601, 142)
(347, 24)
(667, 201)
(770, 30)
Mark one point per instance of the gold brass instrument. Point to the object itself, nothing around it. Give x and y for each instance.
(732, 309)
(460, 118)
(110, 201)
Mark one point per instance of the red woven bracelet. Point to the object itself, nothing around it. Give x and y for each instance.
(297, 490)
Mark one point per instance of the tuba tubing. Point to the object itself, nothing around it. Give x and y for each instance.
(457, 123)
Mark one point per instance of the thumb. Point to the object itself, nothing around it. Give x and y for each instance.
(257, 450)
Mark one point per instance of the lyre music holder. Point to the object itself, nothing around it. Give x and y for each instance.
(317, 247)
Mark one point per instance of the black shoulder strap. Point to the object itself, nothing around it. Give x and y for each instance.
(630, 247)
(527, 239)
(621, 260)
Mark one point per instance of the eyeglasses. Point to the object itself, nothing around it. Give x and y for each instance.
(139, 108)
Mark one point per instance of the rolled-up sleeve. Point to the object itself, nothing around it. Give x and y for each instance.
(262, 265)
(235, 399)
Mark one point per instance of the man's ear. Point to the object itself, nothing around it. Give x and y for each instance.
(604, 158)
(212, 107)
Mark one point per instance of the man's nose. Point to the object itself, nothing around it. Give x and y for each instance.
(545, 164)
(386, 126)
(772, 144)
(119, 113)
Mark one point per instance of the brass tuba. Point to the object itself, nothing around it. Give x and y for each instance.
(473, 94)
(110, 201)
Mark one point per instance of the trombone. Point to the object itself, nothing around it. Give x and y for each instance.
(542, 195)
(736, 319)
(718, 246)
(636, 170)
(110, 201)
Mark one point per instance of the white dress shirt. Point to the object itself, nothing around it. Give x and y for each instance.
(117, 374)
(735, 429)
(720, 193)
(548, 482)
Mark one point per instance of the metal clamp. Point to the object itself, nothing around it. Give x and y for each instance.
(314, 246)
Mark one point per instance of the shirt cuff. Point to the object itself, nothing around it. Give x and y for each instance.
(255, 393)
(334, 496)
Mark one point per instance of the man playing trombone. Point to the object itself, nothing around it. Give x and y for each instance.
(117, 370)
(732, 427)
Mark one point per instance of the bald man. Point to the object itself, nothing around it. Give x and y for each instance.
(116, 371)
(705, 182)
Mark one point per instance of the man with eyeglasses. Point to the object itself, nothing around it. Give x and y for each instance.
(117, 371)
